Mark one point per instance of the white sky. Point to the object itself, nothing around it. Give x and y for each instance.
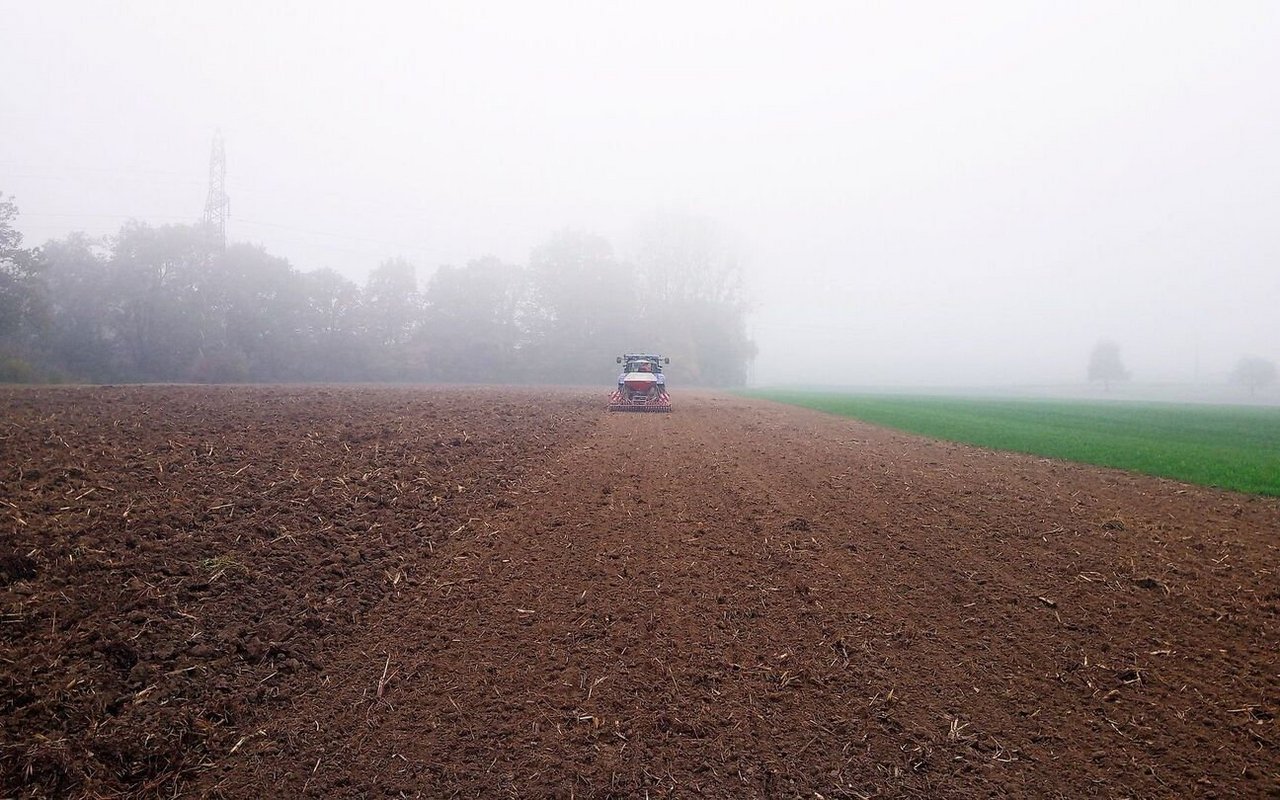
(943, 193)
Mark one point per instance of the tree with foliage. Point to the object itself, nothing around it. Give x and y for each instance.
(331, 328)
(392, 311)
(471, 322)
(162, 295)
(158, 304)
(23, 310)
(1105, 364)
(81, 340)
(259, 309)
(585, 308)
(1254, 373)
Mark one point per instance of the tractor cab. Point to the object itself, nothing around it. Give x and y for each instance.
(644, 364)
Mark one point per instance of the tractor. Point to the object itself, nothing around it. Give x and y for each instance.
(641, 385)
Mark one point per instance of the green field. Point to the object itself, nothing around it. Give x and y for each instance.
(1233, 447)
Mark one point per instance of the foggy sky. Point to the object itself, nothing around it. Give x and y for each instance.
(922, 193)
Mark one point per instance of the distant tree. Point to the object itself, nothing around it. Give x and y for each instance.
(471, 322)
(584, 309)
(692, 289)
(260, 305)
(1105, 364)
(1254, 373)
(22, 297)
(81, 340)
(155, 303)
(391, 308)
(332, 302)
(331, 328)
(390, 302)
(687, 257)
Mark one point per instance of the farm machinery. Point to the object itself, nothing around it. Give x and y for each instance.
(641, 386)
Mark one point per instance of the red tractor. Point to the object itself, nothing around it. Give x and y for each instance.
(641, 386)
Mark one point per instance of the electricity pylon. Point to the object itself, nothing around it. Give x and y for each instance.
(217, 206)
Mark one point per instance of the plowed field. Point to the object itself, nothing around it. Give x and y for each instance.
(377, 592)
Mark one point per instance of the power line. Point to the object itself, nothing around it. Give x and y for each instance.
(41, 171)
(239, 221)
(105, 216)
(400, 245)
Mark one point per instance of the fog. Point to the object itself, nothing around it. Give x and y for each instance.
(953, 194)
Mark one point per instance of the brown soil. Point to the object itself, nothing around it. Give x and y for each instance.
(487, 593)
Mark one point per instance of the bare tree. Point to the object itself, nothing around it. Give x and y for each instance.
(693, 298)
(1105, 364)
(1254, 373)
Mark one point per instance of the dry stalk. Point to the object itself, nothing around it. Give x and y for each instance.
(382, 682)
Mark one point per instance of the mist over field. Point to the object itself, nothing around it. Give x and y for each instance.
(943, 340)
(910, 194)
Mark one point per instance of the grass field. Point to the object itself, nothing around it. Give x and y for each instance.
(1232, 447)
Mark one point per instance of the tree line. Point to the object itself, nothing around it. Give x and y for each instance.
(160, 303)
(1105, 366)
